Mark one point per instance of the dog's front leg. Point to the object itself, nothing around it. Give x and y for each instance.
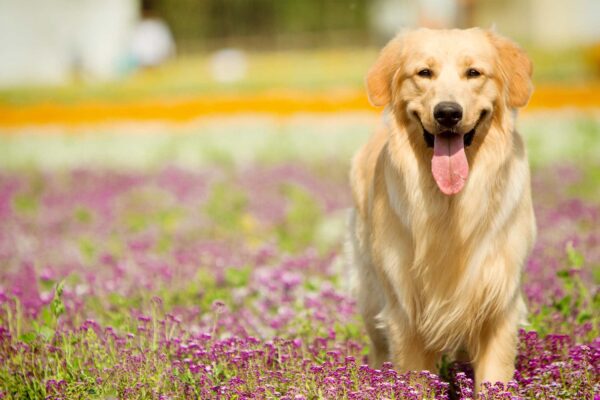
(497, 349)
(407, 349)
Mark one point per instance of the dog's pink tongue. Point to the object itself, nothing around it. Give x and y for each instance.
(449, 164)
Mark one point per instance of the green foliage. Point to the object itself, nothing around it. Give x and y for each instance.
(575, 258)
(350, 331)
(137, 218)
(46, 324)
(87, 247)
(83, 215)
(56, 306)
(301, 222)
(200, 21)
(226, 206)
(577, 303)
(237, 277)
(25, 203)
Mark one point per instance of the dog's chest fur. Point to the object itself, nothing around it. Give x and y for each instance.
(439, 251)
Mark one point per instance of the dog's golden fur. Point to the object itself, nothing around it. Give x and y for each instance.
(439, 273)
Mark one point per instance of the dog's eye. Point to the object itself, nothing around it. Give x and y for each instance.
(473, 73)
(425, 73)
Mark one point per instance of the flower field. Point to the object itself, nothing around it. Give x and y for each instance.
(227, 281)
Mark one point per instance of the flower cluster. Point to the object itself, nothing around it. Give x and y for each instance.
(229, 283)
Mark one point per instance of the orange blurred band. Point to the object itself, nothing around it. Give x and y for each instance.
(278, 103)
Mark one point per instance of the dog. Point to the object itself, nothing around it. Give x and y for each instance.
(442, 221)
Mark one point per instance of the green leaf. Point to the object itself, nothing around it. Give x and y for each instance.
(225, 206)
(237, 277)
(310, 286)
(59, 288)
(596, 274)
(47, 316)
(576, 259)
(46, 332)
(47, 284)
(349, 330)
(302, 220)
(83, 215)
(57, 305)
(562, 273)
(87, 248)
(564, 305)
(25, 203)
(28, 337)
(583, 317)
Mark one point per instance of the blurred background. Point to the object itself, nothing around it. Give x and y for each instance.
(191, 157)
(85, 78)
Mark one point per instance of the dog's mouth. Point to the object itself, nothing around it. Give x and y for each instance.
(449, 164)
(467, 137)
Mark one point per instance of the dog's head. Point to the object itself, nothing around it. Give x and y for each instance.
(448, 85)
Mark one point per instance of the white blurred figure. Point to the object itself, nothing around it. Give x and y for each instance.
(228, 65)
(51, 42)
(151, 41)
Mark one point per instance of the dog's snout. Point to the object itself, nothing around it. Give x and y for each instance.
(447, 113)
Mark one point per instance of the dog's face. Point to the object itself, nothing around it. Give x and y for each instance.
(448, 84)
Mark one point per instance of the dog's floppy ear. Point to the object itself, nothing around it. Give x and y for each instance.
(515, 68)
(379, 77)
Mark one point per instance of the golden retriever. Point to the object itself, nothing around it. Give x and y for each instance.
(443, 218)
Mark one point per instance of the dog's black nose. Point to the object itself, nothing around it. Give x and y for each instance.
(447, 113)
